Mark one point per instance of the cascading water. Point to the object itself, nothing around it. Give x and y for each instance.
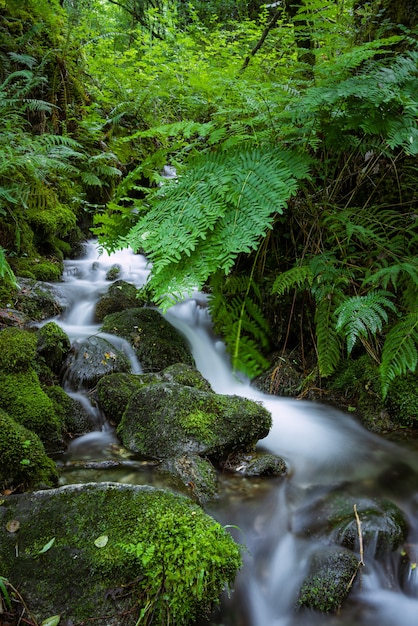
(324, 449)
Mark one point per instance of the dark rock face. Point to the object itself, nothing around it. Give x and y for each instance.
(91, 359)
(156, 343)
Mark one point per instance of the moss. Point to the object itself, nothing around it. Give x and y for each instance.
(198, 424)
(53, 345)
(402, 400)
(7, 292)
(23, 458)
(28, 405)
(329, 581)
(17, 350)
(114, 391)
(156, 540)
(48, 271)
(156, 342)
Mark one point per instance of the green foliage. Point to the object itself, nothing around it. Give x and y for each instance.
(235, 304)
(185, 563)
(362, 316)
(220, 207)
(400, 350)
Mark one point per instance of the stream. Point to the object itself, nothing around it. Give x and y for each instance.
(324, 449)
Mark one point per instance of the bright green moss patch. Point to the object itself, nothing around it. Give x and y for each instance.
(28, 405)
(17, 349)
(23, 461)
(118, 550)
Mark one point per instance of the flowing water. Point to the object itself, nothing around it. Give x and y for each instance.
(325, 450)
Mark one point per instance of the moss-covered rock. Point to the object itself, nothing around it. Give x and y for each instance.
(91, 359)
(383, 525)
(257, 464)
(109, 550)
(75, 419)
(29, 405)
(23, 461)
(156, 342)
(121, 295)
(167, 420)
(17, 350)
(114, 391)
(329, 580)
(39, 300)
(197, 475)
(53, 345)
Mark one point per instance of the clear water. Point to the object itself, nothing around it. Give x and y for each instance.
(324, 449)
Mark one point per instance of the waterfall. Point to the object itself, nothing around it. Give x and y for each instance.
(323, 448)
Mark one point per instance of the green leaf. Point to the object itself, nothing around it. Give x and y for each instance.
(51, 621)
(101, 541)
(47, 546)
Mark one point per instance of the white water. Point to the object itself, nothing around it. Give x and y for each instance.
(323, 448)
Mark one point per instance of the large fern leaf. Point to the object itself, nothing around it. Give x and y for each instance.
(218, 209)
(400, 351)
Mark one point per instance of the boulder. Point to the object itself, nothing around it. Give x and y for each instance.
(92, 358)
(156, 342)
(121, 295)
(168, 420)
(114, 391)
(53, 345)
(114, 554)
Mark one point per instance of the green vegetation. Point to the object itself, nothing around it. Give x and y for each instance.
(292, 130)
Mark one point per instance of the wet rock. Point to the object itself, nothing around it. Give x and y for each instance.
(252, 465)
(156, 343)
(329, 580)
(40, 300)
(103, 552)
(91, 359)
(12, 317)
(196, 474)
(383, 527)
(120, 296)
(114, 391)
(167, 420)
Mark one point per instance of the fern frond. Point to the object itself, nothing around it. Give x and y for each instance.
(392, 273)
(360, 315)
(298, 276)
(400, 351)
(328, 344)
(219, 208)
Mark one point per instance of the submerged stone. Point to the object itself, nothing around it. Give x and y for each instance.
(331, 574)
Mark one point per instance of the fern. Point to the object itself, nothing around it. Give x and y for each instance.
(218, 209)
(235, 306)
(328, 343)
(400, 351)
(360, 315)
(299, 276)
